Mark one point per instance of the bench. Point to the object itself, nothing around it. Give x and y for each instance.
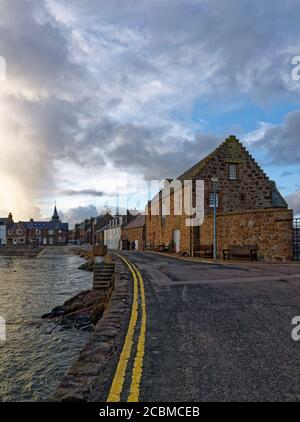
(205, 251)
(244, 251)
(158, 248)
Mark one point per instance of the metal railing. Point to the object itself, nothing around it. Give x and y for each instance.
(296, 239)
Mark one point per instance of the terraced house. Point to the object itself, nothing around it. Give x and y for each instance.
(250, 209)
(44, 233)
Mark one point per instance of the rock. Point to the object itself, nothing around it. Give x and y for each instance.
(97, 313)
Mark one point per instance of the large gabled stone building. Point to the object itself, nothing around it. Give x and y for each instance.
(249, 206)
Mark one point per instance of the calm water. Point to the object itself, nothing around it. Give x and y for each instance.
(36, 356)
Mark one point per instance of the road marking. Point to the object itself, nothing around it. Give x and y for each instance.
(118, 381)
(139, 358)
(119, 378)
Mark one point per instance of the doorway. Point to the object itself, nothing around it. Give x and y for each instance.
(176, 236)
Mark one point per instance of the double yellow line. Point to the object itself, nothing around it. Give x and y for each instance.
(136, 375)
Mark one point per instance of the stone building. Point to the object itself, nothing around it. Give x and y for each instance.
(44, 233)
(250, 209)
(135, 231)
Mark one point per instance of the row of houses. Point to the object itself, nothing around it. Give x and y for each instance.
(35, 233)
(249, 211)
(116, 232)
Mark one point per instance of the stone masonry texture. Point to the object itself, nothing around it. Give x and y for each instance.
(250, 208)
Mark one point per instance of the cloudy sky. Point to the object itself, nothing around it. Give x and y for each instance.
(105, 93)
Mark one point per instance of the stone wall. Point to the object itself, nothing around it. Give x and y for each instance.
(134, 234)
(160, 230)
(252, 189)
(270, 229)
(88, 377)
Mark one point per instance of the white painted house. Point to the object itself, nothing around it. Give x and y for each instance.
(112, 234)
(3, 231)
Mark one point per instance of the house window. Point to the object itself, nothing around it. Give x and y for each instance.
(232, 171)
(212, 200)
(242, 197)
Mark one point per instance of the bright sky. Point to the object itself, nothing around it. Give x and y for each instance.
(98, 93)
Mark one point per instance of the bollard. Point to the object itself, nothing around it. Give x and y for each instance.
(99, 252)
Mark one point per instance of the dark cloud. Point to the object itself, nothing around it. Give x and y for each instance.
(293, 201)
(287, 173)
(175, 156)
(76, 215)
(98, 84)
(282, 142)
(83, 192)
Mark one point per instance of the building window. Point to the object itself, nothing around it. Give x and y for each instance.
(38, 231)
(212, 200)
(19, 232)
(242, 197)
(232, 171)
(51, 232)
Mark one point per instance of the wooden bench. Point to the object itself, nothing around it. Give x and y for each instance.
(241, 251)
(205, 251)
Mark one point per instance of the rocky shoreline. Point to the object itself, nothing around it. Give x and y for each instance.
(82, 311)
(85, 309)
(20, 252)
(86, 378)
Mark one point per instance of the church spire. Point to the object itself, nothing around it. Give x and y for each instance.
(55, 216)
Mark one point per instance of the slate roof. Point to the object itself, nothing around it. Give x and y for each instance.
(102, 229)
(4, 221)
(138, 222)
(41, 225)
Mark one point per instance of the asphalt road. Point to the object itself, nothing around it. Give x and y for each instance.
(219, 332)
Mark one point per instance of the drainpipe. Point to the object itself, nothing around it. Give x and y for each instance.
(215, 181)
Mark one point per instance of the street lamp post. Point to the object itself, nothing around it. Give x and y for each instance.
(92, 231)
(215, 181)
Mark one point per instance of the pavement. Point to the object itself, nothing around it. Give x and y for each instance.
(219, 332)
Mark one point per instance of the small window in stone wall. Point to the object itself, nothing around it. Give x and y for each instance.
(232, 171)
(242, 197)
